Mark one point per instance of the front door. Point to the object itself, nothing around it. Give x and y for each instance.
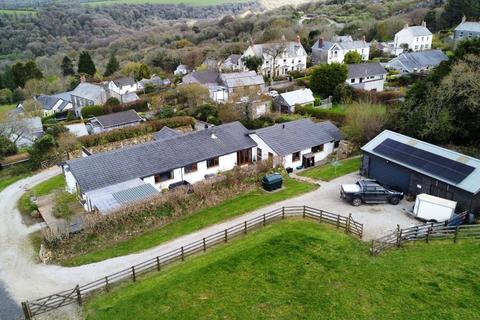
(244, 157)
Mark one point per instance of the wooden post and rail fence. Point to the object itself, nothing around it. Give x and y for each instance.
(32, 308)
(426, 232)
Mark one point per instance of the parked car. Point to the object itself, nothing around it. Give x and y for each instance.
(369, 191)
(181, 184)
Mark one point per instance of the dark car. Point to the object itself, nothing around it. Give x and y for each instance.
(181, 184)
(369, 191)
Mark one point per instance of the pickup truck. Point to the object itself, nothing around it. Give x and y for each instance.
(369, 191)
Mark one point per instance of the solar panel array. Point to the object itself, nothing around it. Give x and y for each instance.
(447, 169)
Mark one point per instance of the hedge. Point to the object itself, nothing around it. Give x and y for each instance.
(335, 115)
(139, 106)
(135, 131)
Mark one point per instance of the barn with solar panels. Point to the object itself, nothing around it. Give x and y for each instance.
(414, 167)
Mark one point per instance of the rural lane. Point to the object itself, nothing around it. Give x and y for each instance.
(24, 278)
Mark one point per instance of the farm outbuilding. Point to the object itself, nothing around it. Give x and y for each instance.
(414, 167)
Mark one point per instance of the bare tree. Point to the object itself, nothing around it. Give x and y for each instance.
(272, 51)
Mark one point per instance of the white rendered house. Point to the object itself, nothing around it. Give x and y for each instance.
(279, 58)
(334, 51)
(415, 38)
(366, 76)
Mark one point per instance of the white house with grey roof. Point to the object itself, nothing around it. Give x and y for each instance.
(296, 144)
(51, 104)
(190, 157)
(287, 101)
(413, 38)
(334, 51)
(279, 58)
(366, 76)
(232, 63)
(413, 62)
(87, 94)
(466, 30)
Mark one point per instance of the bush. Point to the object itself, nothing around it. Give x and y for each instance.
(62, 204)
(375, 97)
(135, 131)
(326, 77)
(7, 147)
(112, 102)
(364, 121)
(344, 93)
(92, 111)
(335, 115)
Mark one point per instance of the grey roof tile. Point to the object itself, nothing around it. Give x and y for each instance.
(289, 137)
(365, 69)
(118, 119)
(125, 81)
(165, 133)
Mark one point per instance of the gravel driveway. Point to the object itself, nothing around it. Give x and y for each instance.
(23, 278)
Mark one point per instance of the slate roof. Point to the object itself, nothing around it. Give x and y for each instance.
(135, 194)
(201, 77)
(289, 137)
(47, 102)
(165, 133)
(365, 70)
(418, 31)
(147, 159)
(118, 119)
(293, 49)
(241, 79)
(234, 58)
(412, 61)
(89, 91)
(468, 26)
(301, 96)
(343, 42)
(125, 81)
(471, 183)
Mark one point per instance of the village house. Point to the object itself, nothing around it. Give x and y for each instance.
(414, 167)
(286, 102)
(183, 158)
(54, 103)
(279, 58)
(181, 70)
(209, 80)
(296, 144)
(413, 62)
(154, 81)
(334, 51)
(232, 63)
(113, 121)
(366, 76)
(87, 94)
(21, 129)
(415, 38)
(466, 30)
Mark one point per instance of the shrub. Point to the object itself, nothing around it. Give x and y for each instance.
(135, 131)
(62, 204)
(111, 107)
(7, 147)
(112, 102)
(92, 111)
(335, 115)
(343, 93)
(326, 77)
(364, 121)
(374, 97)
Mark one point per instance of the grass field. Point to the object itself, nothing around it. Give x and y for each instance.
(6, 181)
(6, 107)
(302, 270)
(44, 188)
(188, 2)
(329, 172)
(242, 204)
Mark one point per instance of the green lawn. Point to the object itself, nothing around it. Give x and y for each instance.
(41, 189)
(6, 181)
(6, 107)
(298, 269)
(239, 205)
(329, 171)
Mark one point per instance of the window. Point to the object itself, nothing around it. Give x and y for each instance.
(214, 162)
(352, 80)
(296, 156)
(317, 148)
(191, 168)
(259, 154)
(336, 144)
(164, 176)
(284, 60)
(244, 157)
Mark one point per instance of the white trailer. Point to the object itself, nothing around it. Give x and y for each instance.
(431, 208)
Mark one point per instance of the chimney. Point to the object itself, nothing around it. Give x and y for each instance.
(252, 43)
(283, 37)
(364, 38)
(464, 18)
(406, 26)
(298, 39)
(424, 24)
(283, 126)
(320, 42)
(83, 79)
(213, 136)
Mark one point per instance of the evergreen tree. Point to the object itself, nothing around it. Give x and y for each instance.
(112, 66)
(326, 77)
(85, 64)
(142, 72)
(24, 72)
(67, 67)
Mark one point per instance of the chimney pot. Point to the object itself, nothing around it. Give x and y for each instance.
(464, 18)
(320, 42)
(424, 23)
(298, 39)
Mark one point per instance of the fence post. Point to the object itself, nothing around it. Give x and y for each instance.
(245, 227)
(183, 256)
(399, 239)
(304, 211)
(158, 263)
(26, 310)
(264, 220)
(456, 235)
(338, 221)
(398, 235)
(283, 212)
(106, 284)
(347, 228)
(226, 235)
(321, 216)
(79, 295)
(373, 248)
(428, 235)
(133, 274)
(204, 245)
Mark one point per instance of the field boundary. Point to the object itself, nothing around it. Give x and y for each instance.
(55, 301)
(427, 232)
